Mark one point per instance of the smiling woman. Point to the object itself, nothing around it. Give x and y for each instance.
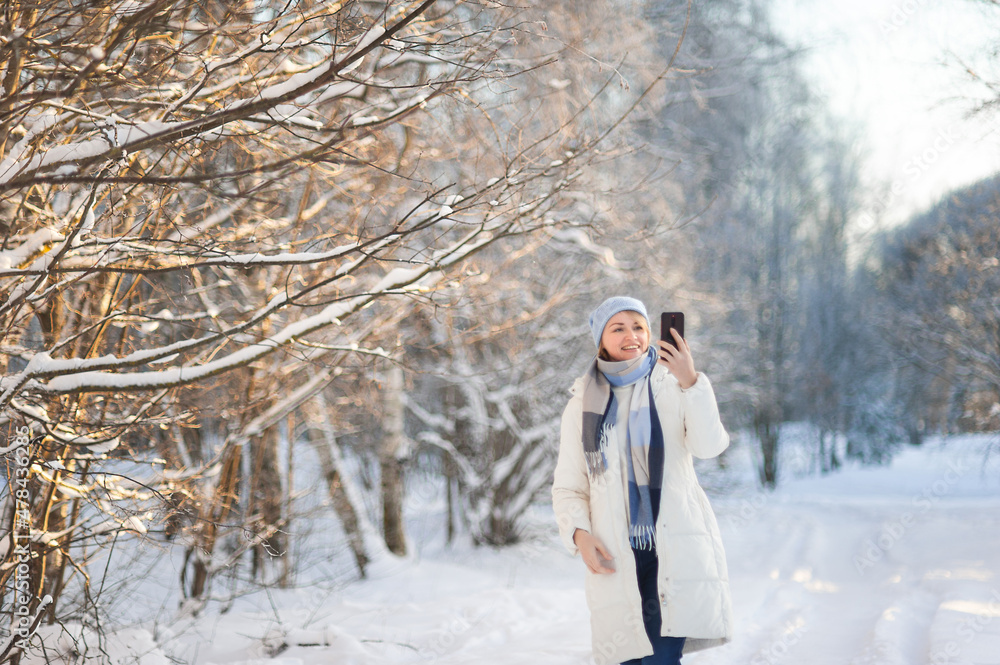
(657, 582)
(625, 336)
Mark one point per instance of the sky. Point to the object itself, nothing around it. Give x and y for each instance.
(892, 71)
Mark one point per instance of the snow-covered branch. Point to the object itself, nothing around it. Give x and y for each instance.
(72, 375)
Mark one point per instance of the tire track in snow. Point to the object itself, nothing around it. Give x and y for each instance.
(769, 610)
(900, 635)
(815, 606)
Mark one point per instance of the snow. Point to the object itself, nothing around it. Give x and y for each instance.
(826, 570)
(88, 221)
(857, 567)
(291, 84)
(366, 120)
(23, 161)
(12, 258)
(397, 279)
(284, 258)
(373, 34)
(341, 89)
(578, 239)
(75, 643)
(128, 7)
(304, 79)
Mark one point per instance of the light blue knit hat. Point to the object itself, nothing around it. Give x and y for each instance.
(600, 316)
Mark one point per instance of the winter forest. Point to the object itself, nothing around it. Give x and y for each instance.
(289, 288)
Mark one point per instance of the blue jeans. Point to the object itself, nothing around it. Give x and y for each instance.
(666, 650)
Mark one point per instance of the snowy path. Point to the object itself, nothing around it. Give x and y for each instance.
(819, 581)
(897, 565)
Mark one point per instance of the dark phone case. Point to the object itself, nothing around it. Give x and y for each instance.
(670, 320)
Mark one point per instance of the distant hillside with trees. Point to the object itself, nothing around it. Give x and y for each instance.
(936, 282)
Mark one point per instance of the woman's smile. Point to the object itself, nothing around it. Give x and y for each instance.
(625, 336)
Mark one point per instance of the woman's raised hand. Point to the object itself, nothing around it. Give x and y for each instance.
(594, 554)
(678, 360)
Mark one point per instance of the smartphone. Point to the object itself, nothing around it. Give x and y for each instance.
(670, 320)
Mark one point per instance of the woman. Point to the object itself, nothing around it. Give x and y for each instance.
(627, 499)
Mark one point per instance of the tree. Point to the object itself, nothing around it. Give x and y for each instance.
(983, 73)
(489, 357)
(213, 207)
(492, 383)
(750, 123)
(938, 281)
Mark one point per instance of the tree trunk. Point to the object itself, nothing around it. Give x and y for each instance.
(329, 459)
(391, 455)
(286, 561)
(834, 460)
(451, 491)
(824, 468)
(767, 429)
(47, 571)
(217, 509)
(266, 500)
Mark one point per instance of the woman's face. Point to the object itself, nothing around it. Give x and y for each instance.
(626, 336)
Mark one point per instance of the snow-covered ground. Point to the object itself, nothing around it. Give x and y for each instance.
(889, 565)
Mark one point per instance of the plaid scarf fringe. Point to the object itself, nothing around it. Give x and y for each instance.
(597, 460)
(642, 536)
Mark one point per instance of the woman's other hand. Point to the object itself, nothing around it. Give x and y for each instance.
(678, 360)
(594, 554)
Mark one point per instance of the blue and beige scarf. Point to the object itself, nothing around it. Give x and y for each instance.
(644, 438)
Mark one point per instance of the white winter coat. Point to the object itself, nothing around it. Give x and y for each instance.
(693, 578)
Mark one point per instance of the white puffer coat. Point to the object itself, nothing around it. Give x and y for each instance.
(693, 578)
